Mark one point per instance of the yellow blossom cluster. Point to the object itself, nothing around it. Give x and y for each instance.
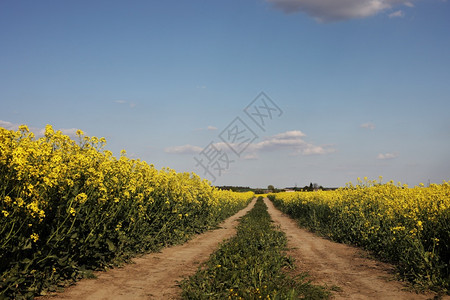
(407, 225)
(68, 201)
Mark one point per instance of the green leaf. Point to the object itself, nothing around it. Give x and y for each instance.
(111, 246)
(27, 245)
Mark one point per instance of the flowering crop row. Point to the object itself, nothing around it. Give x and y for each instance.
(408, 226)
(67, 207)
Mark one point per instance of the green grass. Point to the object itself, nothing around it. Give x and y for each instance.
(251, 266)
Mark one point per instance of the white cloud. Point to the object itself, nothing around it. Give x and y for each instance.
(185, 149)
(368, 125)
(316, 150)
(290, 134)
(289, 140)
(292, 139)
(72, 132)
(387, 155)
(397, 14)
(8, 125)
(129, 103)
(251, 156)
(39, 132)
(337, 10)
(210, 127)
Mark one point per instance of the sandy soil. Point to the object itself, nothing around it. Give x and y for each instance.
(338, 265)
(155, 275)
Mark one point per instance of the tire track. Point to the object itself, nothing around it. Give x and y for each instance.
(154, 275)
(333, 264)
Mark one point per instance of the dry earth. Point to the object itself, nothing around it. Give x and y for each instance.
(156, 275)
(338, 265)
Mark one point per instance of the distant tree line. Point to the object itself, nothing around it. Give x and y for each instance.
(271, 189)
(235, 188)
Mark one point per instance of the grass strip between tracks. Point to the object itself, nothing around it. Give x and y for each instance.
(251, 265)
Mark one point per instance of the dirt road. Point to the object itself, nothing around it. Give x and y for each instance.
(335, 264)
(155, 275)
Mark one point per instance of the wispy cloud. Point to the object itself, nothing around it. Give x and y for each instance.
(185, 149)
(72, 132)
(210, 127)
(38, 132)
(387, 156)
(8, 125)
(251, 156)
(337, 10)
(368, 125)
(397, 14)
(125, 102)
(289, 140)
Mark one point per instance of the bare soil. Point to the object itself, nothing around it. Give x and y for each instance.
(155, 275)
(343, 268)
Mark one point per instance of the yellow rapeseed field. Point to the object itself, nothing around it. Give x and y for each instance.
(406, 225)
(68, 206)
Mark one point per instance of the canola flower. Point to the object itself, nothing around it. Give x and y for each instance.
(68, 205)
(409, 226)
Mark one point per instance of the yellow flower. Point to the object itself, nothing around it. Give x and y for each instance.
(19, 202)
(24, 128)
(34, 237)
(33, 208)
(49, 130)
(82, 197)
(7, 200)
(5, 213)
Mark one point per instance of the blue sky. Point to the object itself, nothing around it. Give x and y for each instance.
(362, 85)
